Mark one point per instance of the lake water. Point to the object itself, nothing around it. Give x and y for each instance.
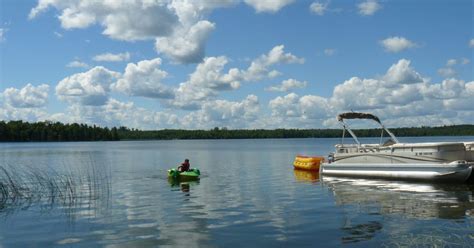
(248, 196)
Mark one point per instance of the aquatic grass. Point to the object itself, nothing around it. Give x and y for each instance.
(12, 187)
(22, 186)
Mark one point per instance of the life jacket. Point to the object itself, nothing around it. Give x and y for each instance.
(185, 166)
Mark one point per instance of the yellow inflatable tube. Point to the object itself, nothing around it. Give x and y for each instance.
(307, 163)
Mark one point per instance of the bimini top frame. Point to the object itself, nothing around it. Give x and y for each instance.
(356, 115)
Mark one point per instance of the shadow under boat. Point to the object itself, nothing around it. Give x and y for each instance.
(411, 199)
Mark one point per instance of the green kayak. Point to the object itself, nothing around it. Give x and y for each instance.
(192, 174)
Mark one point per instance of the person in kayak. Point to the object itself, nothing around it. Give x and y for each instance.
(184, 166)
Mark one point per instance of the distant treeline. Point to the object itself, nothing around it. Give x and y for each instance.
(56, 131)
(223, 133)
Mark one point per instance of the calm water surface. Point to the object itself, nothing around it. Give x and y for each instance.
(249, 195)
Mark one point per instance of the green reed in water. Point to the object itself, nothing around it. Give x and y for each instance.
(22, 186)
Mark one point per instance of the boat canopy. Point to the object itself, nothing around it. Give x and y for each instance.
(356, 115)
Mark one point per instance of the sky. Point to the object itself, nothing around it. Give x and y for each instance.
(251, 64)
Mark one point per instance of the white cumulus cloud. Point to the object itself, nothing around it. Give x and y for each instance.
(285, 106)
(318, 8)
(209, 79)
(357, 94)
(451, 62)
(87, 88)
(400, 97)
(24, 114)
(186, 45)
(209, 75)
(144, 79)
(288, 110)
(27, 97)
(447, 72)
(412, 100)
(205, 82)
(230, 111)
(464, 99)
(397, 44)
(123, 20)
(178, 26)
(270, 6)
(117, 113)
(112, 57)
(220, 113)
(471, 43)
(77, 64)
(287, 85)
(402, 73)
(190, 12)
(368, 7)
(400, 85)
(447, 89)
(259, 68)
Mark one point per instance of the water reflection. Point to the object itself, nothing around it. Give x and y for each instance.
(184, 186)
(361, 232)
(306, 176)
(413, 200)
(393, 212)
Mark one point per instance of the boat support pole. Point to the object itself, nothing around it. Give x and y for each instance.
(390, 133)
(352, 133)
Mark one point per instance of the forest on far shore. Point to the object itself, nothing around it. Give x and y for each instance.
(20, 131)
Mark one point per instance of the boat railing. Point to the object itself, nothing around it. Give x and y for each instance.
(353, 115)
(363, 148)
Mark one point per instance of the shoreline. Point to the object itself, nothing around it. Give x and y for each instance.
(19, 131)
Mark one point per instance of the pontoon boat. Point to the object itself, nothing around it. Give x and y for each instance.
(437, 161)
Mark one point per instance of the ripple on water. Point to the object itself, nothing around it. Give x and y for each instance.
(68, 241)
